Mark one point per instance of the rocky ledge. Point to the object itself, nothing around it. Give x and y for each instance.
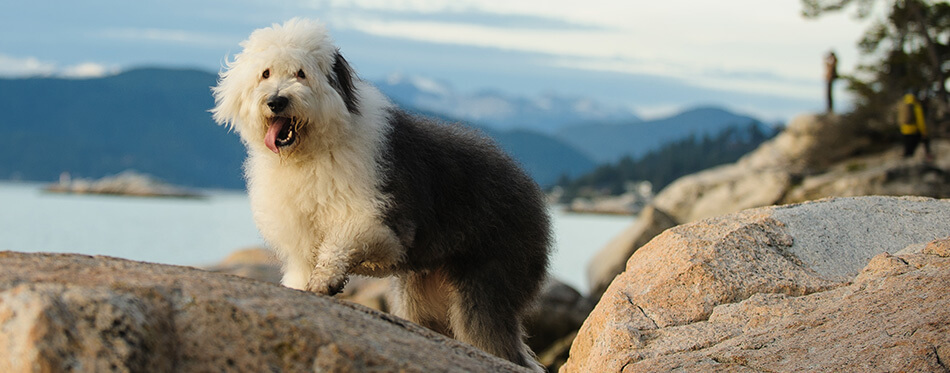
(96, 314)
(550, 326)
(844, 284)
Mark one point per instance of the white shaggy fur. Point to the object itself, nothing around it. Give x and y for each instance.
(289, 194)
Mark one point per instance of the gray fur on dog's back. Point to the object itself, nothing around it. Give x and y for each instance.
(456, 195)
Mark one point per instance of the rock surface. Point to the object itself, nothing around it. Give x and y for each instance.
(782, 289)
(79, 313)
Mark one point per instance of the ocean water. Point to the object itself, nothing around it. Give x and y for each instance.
(199, 232)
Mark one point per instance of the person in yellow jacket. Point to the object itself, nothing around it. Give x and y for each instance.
(910, 117)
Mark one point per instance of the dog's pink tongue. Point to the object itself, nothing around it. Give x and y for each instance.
(270, 139)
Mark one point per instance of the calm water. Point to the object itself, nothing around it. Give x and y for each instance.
(200, 232)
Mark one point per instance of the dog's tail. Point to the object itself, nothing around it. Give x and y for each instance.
(530, 360)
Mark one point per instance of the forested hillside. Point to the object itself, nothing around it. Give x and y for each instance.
(673, 160)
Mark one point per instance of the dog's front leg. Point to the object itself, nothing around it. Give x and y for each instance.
(331, 271)
(370, 248)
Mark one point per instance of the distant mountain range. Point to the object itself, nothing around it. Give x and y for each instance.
(156, 121)
(544, 157)
(610, 142)
(604, 134)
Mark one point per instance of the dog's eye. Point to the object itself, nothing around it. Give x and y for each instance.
(301, 75)
(266, 74)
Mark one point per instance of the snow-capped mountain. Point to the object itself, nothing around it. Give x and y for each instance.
(546, 113)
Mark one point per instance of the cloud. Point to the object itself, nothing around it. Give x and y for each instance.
(760, 82)
(595, 49)
(18, 67)
(473, 17)
(170, 36)
(87, 70)
(591, 12)
(25, 66)
(710, 44)
(570, 42)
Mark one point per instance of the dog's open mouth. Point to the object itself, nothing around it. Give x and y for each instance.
(281, 132)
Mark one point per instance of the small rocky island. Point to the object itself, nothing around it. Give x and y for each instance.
(126, 183)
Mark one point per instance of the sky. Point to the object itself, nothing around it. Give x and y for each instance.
(654, 57)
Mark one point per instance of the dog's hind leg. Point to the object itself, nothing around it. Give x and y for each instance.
(423, 298)
(487, 314)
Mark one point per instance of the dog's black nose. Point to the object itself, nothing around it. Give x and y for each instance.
(277, 103)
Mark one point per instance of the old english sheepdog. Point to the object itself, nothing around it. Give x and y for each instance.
(342, 182)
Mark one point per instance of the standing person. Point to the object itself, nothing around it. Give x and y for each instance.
(831, 73)
(910, 118)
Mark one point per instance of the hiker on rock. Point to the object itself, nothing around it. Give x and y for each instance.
(913, 126)
(831, 73)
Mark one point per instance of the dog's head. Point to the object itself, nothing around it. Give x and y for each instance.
(288, 84)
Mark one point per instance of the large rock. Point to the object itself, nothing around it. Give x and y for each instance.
(769, 289)
(81, 313)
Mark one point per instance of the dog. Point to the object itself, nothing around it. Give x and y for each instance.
(343, 182)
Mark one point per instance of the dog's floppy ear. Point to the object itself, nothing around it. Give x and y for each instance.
(228, 96)
(341, 78)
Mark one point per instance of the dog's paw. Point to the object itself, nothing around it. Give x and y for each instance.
(326, 285)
